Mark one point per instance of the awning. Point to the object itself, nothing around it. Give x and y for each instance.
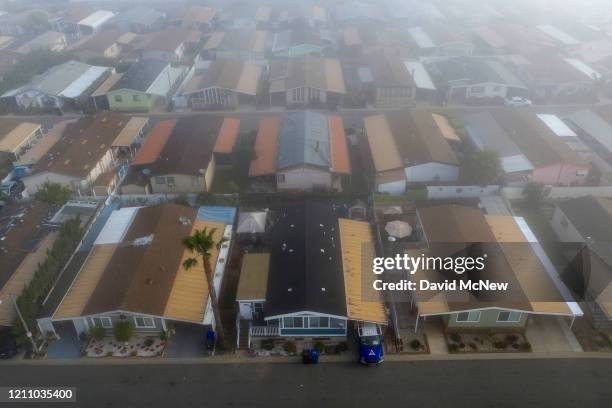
(251, 222)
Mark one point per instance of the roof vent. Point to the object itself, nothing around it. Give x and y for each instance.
(290, 290)
(142, 241)
(184, 220)
(322, 289)
(149, 281)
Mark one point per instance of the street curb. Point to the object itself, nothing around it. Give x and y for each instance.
(393, 358)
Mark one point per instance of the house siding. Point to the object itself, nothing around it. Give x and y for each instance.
(432, 172)
(303, 178)
(488, 319)
(127, 102)
(560, 174)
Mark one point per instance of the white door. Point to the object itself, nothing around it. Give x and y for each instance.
(246, 311)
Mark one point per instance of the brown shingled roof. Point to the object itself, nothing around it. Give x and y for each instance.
(82, 145)
(419, 139)
(140, 278)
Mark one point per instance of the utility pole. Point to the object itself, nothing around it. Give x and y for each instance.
(23, 322)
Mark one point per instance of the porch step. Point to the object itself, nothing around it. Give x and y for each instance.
(243, 339)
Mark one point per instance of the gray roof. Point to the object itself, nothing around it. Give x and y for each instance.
(304, 139)
(56, 79)
(484, 131)
(140, 15)
(141, 75)
(594, 125)
(469, 70)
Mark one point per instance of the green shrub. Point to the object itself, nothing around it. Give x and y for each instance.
(342, 347)
(453, 348)
(148, 342)
(123, 331)
(97, 332)
(319, 346)
(290, 347)
(267, 344)
(163, 335)
(499, 344)
(415, 344)
(511, 338)
(456, 337)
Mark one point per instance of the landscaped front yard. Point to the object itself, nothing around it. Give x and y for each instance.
(482, 342)
(137, 346)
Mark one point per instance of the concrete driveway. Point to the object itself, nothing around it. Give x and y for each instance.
(67, 346)
(550, 334)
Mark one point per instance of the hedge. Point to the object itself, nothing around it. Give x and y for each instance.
(30, 300)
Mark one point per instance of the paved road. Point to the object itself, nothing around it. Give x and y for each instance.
(557, 383)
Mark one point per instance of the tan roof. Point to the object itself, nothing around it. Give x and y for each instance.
(86, 281)
(130, 132)
(238, 39)
(353, 236)
(263, 14)
(237, 76)
(309, 71)
(11, 142)
(534, 281)
(445, 128)
(189, 295)
(107, 84)
(45, 144)
(253, 281)
(333, 76)
(382, 144)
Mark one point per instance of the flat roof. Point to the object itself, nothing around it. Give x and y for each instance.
(266, 147)
(382, 143)
(357, 251)
(130, 131)
(155, 142)
(13, 140)
(554, 123)
(228, 135)
(253, 281)
(420, 75)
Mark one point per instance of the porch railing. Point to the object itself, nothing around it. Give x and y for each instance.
(264, 331)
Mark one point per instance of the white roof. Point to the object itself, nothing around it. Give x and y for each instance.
(166, 79)
(513, 164)
(557, 126)
(252, 222)
(558, 35)
(421, 76)
(584, 68)
(420, 37)
(595, 126)
(97, 18)
(116, 226)
(80, 85)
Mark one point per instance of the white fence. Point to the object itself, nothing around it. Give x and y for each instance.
(442, 192)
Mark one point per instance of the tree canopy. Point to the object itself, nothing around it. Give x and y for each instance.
(481, 167)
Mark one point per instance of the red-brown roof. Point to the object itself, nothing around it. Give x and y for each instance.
(227, 135)
(155, 143)
(266, 147)
(340, 159)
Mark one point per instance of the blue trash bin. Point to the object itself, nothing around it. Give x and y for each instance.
(314, 356)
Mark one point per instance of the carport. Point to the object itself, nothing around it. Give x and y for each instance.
(67, 345)
(187, 341)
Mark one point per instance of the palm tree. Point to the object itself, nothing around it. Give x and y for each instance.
(201, 243)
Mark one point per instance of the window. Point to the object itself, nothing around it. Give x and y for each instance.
(509, 317)
(104, 322)
(297, 322)
(170, 181)
(143, 322)
(160, 180)
(336, 323)
(318, 321)
(477, 89)
(118, 98)
(195, 181)
(280, 178)
(136, 98)
(468, 317)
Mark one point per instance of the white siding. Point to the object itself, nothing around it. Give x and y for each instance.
(303, 179)
(394, 187)
(432, 172)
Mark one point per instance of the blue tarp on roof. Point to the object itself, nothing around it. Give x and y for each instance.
(213, 213)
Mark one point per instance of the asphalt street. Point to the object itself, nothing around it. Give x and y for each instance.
(577, 383)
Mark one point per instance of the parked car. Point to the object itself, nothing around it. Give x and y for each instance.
(8, 345)
(517, 101)
(371, 350)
